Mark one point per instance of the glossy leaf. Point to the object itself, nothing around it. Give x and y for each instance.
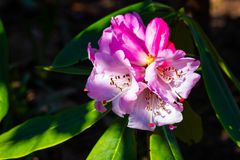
(219, 59)
(215, 54)
(190, 129)
(218, 92)
(118, 142)
(3, 72)
(159, 147)
(46, 131)
(76, 49)
(172, 142)
(69, 70)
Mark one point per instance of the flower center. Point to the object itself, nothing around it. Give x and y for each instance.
(150, 59)
(168, 73)
(156, 105)
(121, 81)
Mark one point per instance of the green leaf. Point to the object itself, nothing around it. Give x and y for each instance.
(218, 92)
(190, 129)
(218, 58)
(76, 49)
(158, 146)
(3, 73)
(69, 70)
(43, 132)
(118, 142)
(172, 142)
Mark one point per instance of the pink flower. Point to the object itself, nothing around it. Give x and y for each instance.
(168, 73)
(112, 79)
(172, 76)
(141, 44)
(141, 72)
(149, 110)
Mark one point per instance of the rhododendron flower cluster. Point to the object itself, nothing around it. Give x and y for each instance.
(140, 71)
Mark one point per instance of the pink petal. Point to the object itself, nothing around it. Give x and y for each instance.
(139, 118)
(147, 112)
(91, 52)
(156, 38)
(100, 82)
(106, 40)
(133, 22)
(165, 54)
(157, 85)
(187, 64)
(179, 54)
(169, 54)
(183, 78)
(116, 108)
(131, 94)
(115, 62)
(185, 87)
(128, 41)
(121, 105)
(171, 46)
(175, 116)
(139, 72)
(105, 66)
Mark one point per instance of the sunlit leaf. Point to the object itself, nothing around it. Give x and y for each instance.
(118, 142)
(212, 50)
(76, 49)
(172, 142)
(190, 129)
(218, 92)
(218, 58)
(43, 132)
(159, 148)
(3, 72)
(163, 145)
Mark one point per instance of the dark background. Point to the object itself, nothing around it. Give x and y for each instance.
(38, 30)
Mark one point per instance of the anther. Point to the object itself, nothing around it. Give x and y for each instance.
(151, 125)
(104, 102)
(181, 100)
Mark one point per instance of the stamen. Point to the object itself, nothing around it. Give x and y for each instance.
(120, 82)
(167, 110)
(104, 102)
(156, 106)
(168, 73)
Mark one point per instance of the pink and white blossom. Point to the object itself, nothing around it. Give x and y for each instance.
(172, 75)
(111, 80)
(149, 110)
(139, 69)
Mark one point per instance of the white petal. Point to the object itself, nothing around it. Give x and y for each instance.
(175, 116)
